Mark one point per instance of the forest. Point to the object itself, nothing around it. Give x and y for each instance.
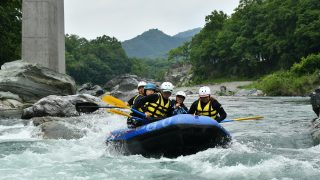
(263, 40)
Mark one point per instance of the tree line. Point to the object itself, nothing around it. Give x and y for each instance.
(10, 30)
(260, 37)
(103, 58)
(95, 61)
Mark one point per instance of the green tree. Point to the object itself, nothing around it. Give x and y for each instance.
(95, 61)
(10, 30)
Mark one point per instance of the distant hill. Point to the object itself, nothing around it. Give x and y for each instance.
(188, 34)
(155, 44)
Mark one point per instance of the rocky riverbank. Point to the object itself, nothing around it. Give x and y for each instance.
(226, 88)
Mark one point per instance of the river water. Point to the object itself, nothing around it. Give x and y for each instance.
(276, 147)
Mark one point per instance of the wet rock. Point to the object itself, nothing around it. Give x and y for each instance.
(59, 106)
(88, 88)
(315, 131)
(32, 82)
(59, 128)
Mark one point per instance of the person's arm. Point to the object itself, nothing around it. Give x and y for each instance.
(185, 109)
(171, 108)
(142, 101)
(193, 107)
(130, 102)
(222, 114)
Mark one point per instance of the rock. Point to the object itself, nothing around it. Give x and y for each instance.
(32, 82)
(315, 131)
(88, 88)
(125, 87)
(59, 128)
(252, 92)
(179, 74)
(59, 106)
(9, 100)
(125, 82)
(125, 96)
(188, 92)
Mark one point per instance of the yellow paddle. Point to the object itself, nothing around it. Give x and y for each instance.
(119, 103)
(248, 118)
(242, 119)
(115, 101)
(116, 111)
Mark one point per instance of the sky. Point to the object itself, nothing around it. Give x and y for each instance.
(125, 19)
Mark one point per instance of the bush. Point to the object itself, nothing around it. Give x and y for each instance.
(287, 83)
(307, 65)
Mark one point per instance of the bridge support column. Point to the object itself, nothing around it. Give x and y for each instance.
(43, 33)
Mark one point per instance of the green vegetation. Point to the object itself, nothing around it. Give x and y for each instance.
(103, 58)
(299, 80)
(276, 37)
(10, 30)
(95, 61)
(150, 68)
(261, 37)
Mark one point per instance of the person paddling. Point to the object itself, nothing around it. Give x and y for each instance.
(207, 106)
(179, 107)
(157, 106)
(141, 93)
(149, 89)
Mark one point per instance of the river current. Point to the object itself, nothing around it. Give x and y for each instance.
(276, 147)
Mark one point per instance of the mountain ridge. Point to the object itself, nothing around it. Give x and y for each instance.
(154, 43)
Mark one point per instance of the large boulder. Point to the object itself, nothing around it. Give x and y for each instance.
(88, 88)
(124, 87)
(59, 128)
(32, 82)
(179, 74)
(58, 106)
(125, 82)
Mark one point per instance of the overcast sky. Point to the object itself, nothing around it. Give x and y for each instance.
(125, 19)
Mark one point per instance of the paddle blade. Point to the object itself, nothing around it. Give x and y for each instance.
(114, 101)
(248, 118)
(115, 111)
(86, 107)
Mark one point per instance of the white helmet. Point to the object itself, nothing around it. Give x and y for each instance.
(181, 93)
(142, 83)
(204, 91)
(166, 87)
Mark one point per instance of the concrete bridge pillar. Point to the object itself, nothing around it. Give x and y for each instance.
(43, 33)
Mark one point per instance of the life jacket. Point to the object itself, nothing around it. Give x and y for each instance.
(137, 98)
(158, 108)
(208, 110)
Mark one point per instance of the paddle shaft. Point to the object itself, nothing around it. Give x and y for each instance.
(98, 107)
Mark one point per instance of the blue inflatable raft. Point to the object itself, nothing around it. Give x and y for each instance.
(174, 136)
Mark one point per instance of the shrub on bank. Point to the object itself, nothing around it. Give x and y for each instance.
(308, 65)
(286, 83)
(299, 80)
